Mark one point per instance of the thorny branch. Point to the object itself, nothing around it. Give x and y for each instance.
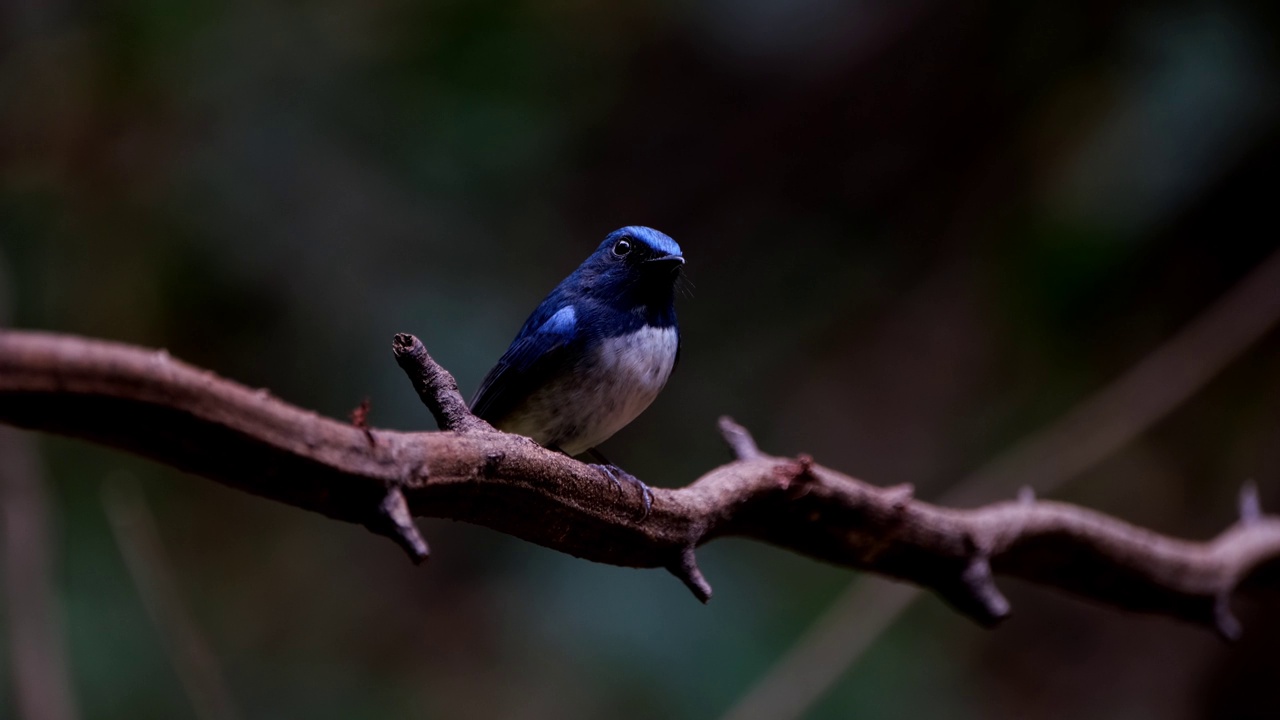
(148, 403)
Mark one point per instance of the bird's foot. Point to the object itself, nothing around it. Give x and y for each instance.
(620, 476)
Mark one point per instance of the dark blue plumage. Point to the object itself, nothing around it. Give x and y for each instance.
(596, 351)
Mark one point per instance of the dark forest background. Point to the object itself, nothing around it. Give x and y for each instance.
(917, 231)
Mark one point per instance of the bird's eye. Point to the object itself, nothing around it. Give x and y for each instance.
(622, 247)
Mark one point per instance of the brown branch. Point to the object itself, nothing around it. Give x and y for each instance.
(436, 387)
(148, 403)
(1097, 427)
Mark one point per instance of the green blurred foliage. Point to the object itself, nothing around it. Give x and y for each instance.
(917, 232)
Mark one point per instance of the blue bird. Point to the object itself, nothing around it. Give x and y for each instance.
(595, 353)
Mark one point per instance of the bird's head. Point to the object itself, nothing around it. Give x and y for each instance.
(635, 265)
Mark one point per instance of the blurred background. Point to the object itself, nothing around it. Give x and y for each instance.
(919, 233)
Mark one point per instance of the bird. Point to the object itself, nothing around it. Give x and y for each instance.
(594, 354)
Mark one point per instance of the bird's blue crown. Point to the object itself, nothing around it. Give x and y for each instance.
(658, 242)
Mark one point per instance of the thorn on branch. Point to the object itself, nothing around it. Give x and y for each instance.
(360, 418)
(395, 521)
(900, 496)
(1250, 506)
(686, 568)
(1224, 621)
(796, 478)
(1026, 495)
(977, 594)
(436, 387)
(739, 439)
(977, 577)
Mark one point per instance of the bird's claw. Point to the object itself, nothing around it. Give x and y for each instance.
(619, 476)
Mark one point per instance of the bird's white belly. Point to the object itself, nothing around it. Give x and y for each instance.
(599, 396)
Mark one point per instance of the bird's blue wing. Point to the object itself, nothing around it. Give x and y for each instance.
(537, 352)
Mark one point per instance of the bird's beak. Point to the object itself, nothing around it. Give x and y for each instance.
(672, 261)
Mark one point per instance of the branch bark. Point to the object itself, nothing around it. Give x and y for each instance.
(151, 404)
